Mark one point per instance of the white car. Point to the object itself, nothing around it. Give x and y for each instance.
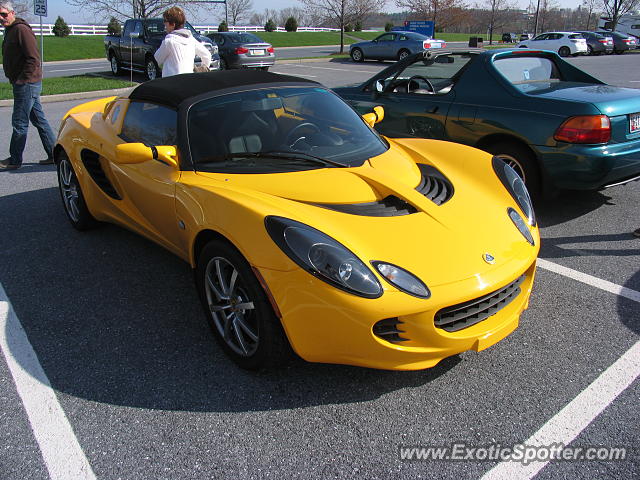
(565, 43)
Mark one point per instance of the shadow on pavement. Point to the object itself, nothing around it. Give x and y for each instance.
(568, 205)
(114, 318)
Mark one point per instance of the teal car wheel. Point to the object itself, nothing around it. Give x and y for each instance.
(522, 161)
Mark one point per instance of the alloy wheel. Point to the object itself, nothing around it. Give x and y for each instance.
(232, 310)
(69, 188)
(513, 163)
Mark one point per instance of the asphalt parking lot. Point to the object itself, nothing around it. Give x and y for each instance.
(139, 390)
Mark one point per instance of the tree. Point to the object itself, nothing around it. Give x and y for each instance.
(498, 13)
(343, 12)
(590, 6)
(443, 13)
(114, 27)
(291, 25)
(270, 26)
(616, 8)
(60, 28)
(238, 10)
(388, 26)
(103, 9)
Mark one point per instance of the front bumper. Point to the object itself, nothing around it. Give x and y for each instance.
(326, 325)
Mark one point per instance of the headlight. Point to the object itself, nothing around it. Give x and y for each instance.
(520, 225)
(516, 187)
(323, 257)
(402, 280)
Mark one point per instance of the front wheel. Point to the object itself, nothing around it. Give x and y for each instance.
(356, 55)
(152, 69)
(116, 68)
(521, 159)
(72, 198)
(238, 310)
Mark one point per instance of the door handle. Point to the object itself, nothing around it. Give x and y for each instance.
(432, 109)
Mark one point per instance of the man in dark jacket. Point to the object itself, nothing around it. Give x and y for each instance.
(21, 63)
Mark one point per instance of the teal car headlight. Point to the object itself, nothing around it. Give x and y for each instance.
(402, 279)
(323, 257)
(516, 187)
(520, 225)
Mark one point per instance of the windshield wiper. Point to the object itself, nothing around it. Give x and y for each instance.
(283, 155)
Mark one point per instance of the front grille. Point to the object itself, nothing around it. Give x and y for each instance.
(91, 161)
(469, 313)
(434, 185)
(390, 206)
(388, 329)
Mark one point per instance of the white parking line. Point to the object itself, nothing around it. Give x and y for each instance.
(567, 424)
(590, 280)
(59, 446)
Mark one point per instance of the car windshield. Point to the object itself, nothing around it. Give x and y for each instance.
(528, 73)
(278, 130)
(244, 38)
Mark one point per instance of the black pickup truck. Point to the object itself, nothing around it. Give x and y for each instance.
(134, 49)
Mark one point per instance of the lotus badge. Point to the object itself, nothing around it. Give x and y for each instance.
(490, 259)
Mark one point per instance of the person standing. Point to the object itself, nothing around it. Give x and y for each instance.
(21, 64)
(179, 48)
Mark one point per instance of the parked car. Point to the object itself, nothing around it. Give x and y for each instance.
(301, 222)
(510, 37)
(525, 36)
(140, 38)
(559, 127)
(565, 43)
(597, 43)
(243, 50)
(393, 46)
(621, 41)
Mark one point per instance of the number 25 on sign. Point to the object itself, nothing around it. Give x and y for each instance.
(40, 8)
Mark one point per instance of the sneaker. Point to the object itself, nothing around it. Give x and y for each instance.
(48, 161)
(7, 165)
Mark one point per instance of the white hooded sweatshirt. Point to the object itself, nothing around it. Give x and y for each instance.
(177, 52)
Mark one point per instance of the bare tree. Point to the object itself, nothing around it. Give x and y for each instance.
(262, 18)
(590, 6)
(616, 8)
(343, 12)
(498, 14)
(104, 9)
(238, 10)
(443, 13)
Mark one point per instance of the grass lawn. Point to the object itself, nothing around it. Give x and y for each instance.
(72, 47)
(307, 39)
(73, 84)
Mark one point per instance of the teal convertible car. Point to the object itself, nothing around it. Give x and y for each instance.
(559, 127)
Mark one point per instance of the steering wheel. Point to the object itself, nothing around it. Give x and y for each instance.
(424, 79)
(289, 137)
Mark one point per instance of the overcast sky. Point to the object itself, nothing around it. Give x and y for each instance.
(59, 7)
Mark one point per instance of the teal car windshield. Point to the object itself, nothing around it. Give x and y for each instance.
(278, 130)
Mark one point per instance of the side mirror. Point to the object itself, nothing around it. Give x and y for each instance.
(374, 117)
(379, 86)
(128, 153)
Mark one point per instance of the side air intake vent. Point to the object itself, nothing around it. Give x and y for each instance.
(434, 185)
(389, 329)
(390, 206)
(91, 161)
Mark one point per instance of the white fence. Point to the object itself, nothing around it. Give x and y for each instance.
(47, 29)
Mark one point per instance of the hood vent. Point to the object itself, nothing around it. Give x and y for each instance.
(390, 206)
(434, 185)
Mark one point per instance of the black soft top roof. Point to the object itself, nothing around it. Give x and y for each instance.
(174, 90)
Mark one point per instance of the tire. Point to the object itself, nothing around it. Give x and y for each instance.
(564, 51)
(357, 55)
(72, 198)
(223, 64)
(252, 336)
(404, 53)
(523, 162)
(116, 68)
(151, 69)
(590, 50)
(266, 69)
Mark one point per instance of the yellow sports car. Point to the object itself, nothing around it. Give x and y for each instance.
(305, 228)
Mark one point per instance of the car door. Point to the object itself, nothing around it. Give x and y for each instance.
(382, 47)
(420, 110)
(147, 189)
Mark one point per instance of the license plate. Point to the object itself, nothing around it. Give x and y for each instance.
(634, 122)
(257, 52)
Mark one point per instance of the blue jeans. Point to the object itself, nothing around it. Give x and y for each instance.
(26, 106)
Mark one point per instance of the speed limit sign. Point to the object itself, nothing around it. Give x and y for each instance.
(40, 8)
